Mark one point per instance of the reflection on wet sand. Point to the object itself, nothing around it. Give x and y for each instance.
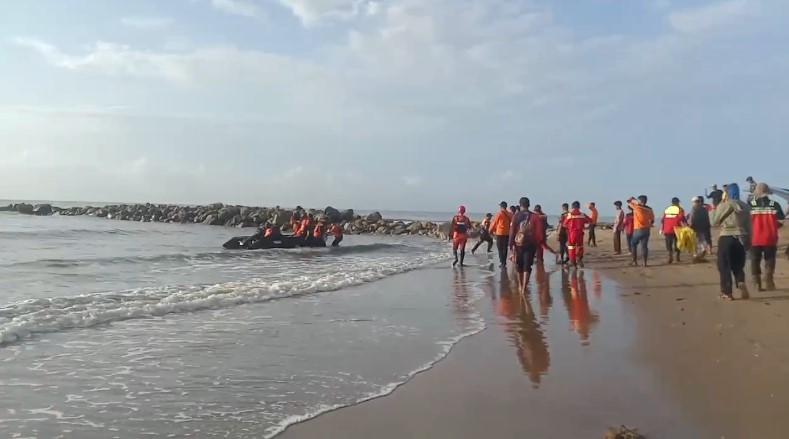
(576, 300)
(523, 330)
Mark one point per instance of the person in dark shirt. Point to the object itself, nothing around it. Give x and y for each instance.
(716, 195)
(526, 253)
(699, 221)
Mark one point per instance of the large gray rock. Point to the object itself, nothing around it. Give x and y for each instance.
(42, 209)
(332, 214)
(374, 217)
(24, 208)
(347, 215)
(282, 217)
(9, 208)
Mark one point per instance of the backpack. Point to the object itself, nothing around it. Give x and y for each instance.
(524, 235)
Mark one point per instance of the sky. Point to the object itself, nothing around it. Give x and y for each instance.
(390, 104)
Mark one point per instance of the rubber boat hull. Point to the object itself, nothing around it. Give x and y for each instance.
(263, 243)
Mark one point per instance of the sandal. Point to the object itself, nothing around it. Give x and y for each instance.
(725, 296)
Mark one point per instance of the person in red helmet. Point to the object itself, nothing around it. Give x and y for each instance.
(459, 229)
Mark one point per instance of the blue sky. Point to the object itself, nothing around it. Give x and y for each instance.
(398, 104)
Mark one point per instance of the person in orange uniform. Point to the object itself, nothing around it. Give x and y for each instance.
(643, 220)
(272, 231)
(593, 214)
(673, 216)
(500, 228)
(484, 234)
(295, 220)
(575, 221)
(319, 229)
(459, 228)
(336, 231)
(306, 225)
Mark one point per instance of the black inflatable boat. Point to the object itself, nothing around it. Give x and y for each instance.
(257, 242)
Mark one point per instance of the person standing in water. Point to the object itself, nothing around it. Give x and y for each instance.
(643, 220)
(575, 222)
(562, 257)
(734, 219)
(525, 238)
(500, 228)
(484, 234)
(336, 231)
(459, 228)
(593, 214)
(619, 226)
(766, 219)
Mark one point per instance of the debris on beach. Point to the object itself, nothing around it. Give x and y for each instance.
(623, 433)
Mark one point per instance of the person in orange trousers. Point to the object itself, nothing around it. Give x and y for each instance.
(575, 221)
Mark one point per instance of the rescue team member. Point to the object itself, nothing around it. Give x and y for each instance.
(272, 231)
(575, 221)
(766, 218)
(643, 220)
(336, 231)
(319, 229)
(545, 226)
(619, 226)
(500, 228)
(525, 238)
(460, 226)
(628, 227)
(484, 234)
(306, 226)
(295, 220)
(673, 216)
(562, 257)
(593, 215)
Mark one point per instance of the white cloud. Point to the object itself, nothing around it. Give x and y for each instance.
(244, 8)
(148, 23)
(412, 180)
(311, 12)
(713, 16)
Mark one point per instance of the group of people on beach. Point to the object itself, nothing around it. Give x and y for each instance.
(746, 228)
(307, 226)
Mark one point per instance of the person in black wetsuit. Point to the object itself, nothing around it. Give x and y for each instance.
(484, 234)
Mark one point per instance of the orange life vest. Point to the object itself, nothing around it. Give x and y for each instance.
(461, 224)
(318, 231)
(336, 231)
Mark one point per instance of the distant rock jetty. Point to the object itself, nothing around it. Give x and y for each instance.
(219, 214)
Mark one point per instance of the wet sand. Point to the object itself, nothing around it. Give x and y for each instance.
(558, 363)
(727, 363)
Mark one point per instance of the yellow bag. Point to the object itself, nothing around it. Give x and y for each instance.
(686, 239)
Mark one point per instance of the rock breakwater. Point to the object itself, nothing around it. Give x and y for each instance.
(220, 214)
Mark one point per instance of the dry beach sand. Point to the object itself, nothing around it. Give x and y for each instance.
(656, 350)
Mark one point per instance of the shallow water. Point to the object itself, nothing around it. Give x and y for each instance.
(121, 329)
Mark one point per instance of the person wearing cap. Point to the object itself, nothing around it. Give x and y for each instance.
(484, 234)
(500, 228)
(766, 218)
(619, 226)
(699, 221)
(673, 216)
(460, 227)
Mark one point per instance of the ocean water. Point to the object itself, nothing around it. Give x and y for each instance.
(116, 329)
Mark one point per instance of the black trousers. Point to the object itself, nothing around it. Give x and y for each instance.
(563, 254)
(592, 238)
(671, 243)
(618, 241)
(502, 244)
(731, 261)
(337, 241)
(483, 237)
(769, 253)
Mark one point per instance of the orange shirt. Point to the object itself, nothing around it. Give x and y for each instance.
(501, 223)
(593, 214)
(643, 216)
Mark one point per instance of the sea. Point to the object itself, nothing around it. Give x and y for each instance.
(119, 329)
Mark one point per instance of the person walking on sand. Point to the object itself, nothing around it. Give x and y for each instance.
(544, 242)
(766, 218)
(484, 234)
(619, 226)
(643, 220)
(460, 227)
(593, 214)
(562, 257)
(734, 219)
(500, 228)
(673, 216)
(699, 221)
(525, 238)
(575, 222)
